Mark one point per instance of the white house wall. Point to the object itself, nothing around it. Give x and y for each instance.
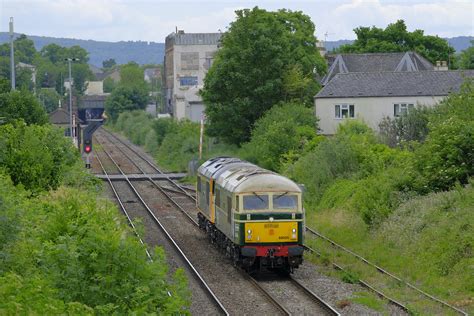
(371, 110)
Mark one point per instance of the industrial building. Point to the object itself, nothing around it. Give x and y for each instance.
(188, 57)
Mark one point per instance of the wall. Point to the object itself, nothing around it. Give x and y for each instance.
(371, 110)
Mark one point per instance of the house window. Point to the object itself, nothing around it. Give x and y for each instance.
(188, 81)
(400, 109)
(344, 111)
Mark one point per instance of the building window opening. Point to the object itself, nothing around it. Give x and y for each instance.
(188, 81)
(344, 111)
(400, 109)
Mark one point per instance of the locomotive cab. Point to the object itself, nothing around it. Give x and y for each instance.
(253, 214)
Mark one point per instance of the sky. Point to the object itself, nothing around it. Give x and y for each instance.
(153, 20)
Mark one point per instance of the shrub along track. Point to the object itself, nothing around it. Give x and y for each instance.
(238, 295)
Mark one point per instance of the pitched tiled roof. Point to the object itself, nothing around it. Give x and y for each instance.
(386, 84)
(376, 62)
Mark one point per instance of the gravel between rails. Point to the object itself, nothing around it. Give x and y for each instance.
(200, 302)
(291, 296)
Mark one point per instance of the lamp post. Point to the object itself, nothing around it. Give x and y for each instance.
(69, 61)
(12, 55)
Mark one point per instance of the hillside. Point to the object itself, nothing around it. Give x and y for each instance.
(123, 52)
(152, 52)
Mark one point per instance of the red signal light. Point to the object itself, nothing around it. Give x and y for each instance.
(88, 149)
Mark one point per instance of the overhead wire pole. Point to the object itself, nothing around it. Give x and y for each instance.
(12, 55)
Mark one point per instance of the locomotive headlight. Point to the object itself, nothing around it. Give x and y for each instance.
(294, 230)
(249, 234)
(293, 235)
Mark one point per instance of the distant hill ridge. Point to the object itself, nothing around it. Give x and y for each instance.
(152, 52)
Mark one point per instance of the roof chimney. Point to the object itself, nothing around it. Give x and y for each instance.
(441, 65)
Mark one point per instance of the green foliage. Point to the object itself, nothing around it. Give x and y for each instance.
(284, 128)
(131, 93)
(409, 127)
(466, 58)
(22, 105)
(180, 146)
(135, 125)
(109, 85)
(109, 63)
(5, 85)
(35, 156)
(396, 38)
(125, 98)
(68, 252)
(259, 56)
(447, 156)
(49, 98)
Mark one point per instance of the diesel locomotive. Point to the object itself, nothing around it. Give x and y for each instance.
(254, 215)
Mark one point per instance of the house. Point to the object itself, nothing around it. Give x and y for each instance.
(188, 57)
(375, 62)
(371, 96)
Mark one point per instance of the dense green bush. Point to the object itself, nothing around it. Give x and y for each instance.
(74, 250)
(35, 156)
(286, 127)
(447, 156)
(411, 126)
(23, 105)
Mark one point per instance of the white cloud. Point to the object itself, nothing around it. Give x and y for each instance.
(115, 20)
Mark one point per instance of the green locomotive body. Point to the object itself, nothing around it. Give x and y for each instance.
(254, 215)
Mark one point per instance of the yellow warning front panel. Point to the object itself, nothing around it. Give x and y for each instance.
(263, 232)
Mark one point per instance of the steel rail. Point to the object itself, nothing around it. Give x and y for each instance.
(193, 221)
(383, 271)
(160, 188)
(363, 283)
(328, 308)
(150, 163)
(122, 207)
(172, 241)
(266, 293)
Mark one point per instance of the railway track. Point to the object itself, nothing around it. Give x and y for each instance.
(218, 304)
(382, 271)
(305, 301)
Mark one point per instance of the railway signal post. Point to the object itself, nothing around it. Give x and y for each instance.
(89, 130)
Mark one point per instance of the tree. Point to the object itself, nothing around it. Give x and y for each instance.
(286, 128)
(125, 98)
(23, 105)
(130, 94)
(131, 75)
(109, 63)
(109, 85)
(396, 38)
(466, 58)
(248, 75)
(49, 99)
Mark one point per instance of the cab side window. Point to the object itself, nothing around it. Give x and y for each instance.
(207, 193)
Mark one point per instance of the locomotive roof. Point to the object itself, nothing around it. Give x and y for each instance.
(240, 176)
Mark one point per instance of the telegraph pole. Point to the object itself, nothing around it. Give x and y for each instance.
(12, 55)
(69, 60)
